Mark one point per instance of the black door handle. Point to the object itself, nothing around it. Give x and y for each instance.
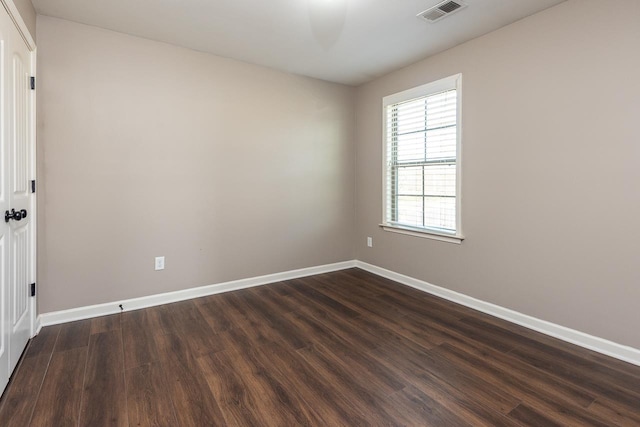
(15, 215)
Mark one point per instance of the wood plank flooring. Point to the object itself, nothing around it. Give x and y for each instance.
(338, 349)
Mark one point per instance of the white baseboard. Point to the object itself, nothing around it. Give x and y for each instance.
(37, 327)
(90, 311)
(600, 345)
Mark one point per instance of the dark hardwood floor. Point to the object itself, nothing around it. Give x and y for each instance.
(338, 349)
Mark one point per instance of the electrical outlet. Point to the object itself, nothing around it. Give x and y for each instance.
(159, 263)
(370, 242)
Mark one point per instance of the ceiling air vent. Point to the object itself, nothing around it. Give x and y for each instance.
(439, 11)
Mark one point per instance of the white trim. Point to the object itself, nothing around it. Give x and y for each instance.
(90, 311)
(600, 345)
(19, 22)
(38, 326)
(424, 233)
(441, 85)
(33, 223)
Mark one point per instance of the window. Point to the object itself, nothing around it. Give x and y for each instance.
(422, 160)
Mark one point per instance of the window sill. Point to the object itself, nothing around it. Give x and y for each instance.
(449, 238)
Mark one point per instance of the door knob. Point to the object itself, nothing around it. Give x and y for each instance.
(15, 215)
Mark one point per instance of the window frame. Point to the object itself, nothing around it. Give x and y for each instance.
(447, 83)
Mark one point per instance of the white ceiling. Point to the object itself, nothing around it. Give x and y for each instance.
(344, 41)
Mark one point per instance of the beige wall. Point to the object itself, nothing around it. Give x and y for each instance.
(229, 170)
(551, 175)
(28, 14)
(141, 144)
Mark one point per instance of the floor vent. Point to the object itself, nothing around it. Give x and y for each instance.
(441, 10)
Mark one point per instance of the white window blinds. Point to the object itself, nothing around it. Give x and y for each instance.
(421, 176)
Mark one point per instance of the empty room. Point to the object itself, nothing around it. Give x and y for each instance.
(320, 213)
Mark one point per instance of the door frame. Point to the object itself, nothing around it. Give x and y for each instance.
(15, 16)
(19, 23)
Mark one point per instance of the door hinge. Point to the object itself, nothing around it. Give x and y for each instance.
(32, 80)
(33, 185)
(33, 289)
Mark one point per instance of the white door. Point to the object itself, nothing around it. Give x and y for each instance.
(15, 197)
